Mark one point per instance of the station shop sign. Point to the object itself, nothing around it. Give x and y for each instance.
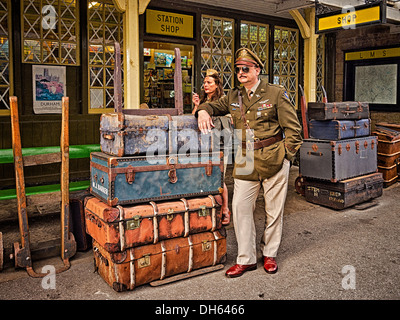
(351, 17)
(169, 23)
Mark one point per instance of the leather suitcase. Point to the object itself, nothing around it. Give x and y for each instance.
(140, 265)
(390, 174)
(388, 147)
(130, 180)
(338, 160)
(126, 135)
(388, 140)
(117, 229)
(339, 129)
(348, 110)
(389, 166)
(346, 193)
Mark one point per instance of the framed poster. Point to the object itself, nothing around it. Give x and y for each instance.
(49, 86)
(373, 76)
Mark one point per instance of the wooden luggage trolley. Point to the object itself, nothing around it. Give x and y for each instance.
(22, 250)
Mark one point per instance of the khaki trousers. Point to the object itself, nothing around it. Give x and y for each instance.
(243, 204)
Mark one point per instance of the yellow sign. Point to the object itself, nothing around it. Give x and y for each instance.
(373, 54)
(350, 19)
(169, 24)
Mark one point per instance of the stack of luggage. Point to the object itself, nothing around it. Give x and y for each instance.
(156, 211)
(339, 161)
(388, 152)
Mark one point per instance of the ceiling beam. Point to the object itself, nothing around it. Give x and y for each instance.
(288, 5)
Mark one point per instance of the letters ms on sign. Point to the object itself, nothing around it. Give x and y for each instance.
(169, 24)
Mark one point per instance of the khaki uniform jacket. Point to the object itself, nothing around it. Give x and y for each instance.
(268, 112)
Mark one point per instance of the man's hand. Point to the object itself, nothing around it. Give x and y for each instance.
(204, 121)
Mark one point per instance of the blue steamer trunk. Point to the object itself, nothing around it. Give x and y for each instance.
(338, 160)
(339, 129)
(128, 180)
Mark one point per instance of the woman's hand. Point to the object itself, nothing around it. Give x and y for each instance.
(196, 99)
(196, 102)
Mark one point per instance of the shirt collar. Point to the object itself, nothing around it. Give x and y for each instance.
(254, 88)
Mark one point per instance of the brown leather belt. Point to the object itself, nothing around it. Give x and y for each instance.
(258, 144)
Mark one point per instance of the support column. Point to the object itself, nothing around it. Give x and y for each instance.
(307, 30)
(131, 9)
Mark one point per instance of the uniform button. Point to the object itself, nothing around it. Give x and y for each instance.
(248, 111)
(248, 121)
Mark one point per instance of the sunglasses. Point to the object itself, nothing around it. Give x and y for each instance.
(244, 69)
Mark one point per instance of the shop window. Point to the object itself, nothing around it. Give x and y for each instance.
(217, 48)
(159, 69)
(105, 27)
(286, 60)
(254, 36)
(320, 67)
(50, 31)
(5, 57)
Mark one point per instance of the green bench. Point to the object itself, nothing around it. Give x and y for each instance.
(75, 152)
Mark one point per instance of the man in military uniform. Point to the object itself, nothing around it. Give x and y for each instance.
(271, 135)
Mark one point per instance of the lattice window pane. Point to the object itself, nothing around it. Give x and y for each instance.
(255, 37)
(4, 73)
(96, 98)
(105, 28)
(32, 27)
(31, 7)
(68, 53)
(217, 49)
(68, 30)
(206, 26)
(96, 77)
(320, 76)
(50, 29)
(68, 9)
(50, 52)
(32, 51)
(285, 66)
(5, 55)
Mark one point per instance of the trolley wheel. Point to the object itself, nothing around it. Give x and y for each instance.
(299, 185)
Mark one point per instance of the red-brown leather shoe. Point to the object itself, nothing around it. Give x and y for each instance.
(239, 269)
(270, 265)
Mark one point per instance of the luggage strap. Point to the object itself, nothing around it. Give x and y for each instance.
(171, 167)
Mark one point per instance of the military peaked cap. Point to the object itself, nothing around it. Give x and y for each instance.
(246, 56)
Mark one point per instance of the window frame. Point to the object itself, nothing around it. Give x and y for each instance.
(59, 38)
(6, 112)
(227, 83)
(104, 66)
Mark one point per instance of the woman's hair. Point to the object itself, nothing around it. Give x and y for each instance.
(219, 91)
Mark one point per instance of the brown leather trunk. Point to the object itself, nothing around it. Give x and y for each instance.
(388, 147)
(345, 193)
(140, 265)
(119, 228)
